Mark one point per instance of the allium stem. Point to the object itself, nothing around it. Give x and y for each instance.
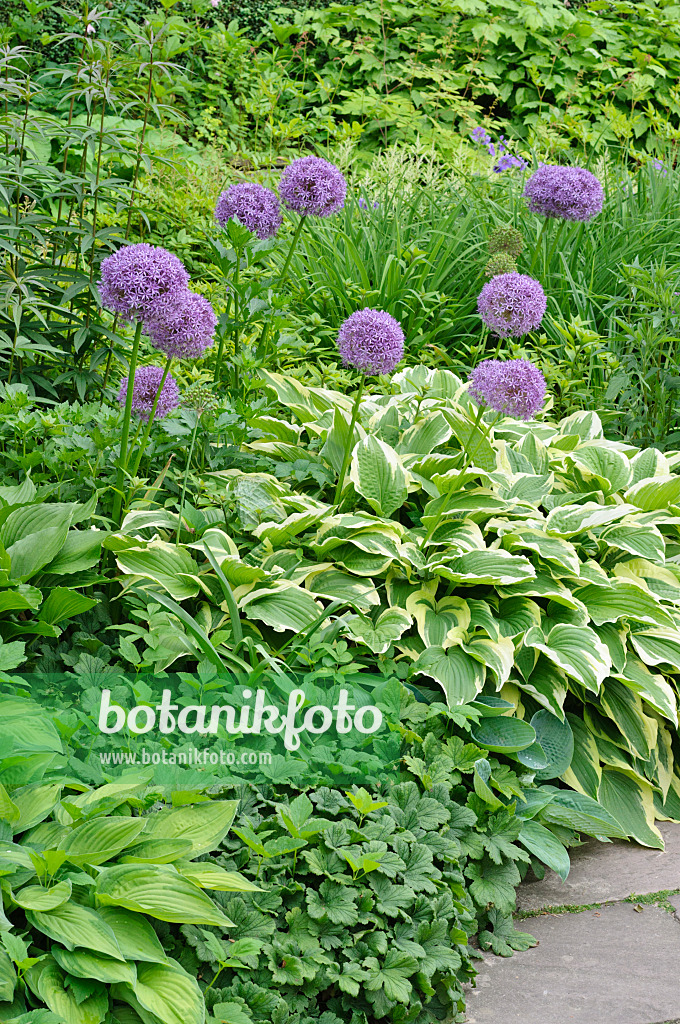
(125, 432)
(539, 246)
(553, 247)
(186, 477)
(281, 280)
(147, 429)
(350, 438)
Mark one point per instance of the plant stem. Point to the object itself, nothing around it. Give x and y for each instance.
(147, 429)
(539, 243)
(125, 432)
(350, 438)
(186, 477)
(282, 276)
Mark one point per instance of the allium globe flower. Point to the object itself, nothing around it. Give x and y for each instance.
(312, 186)
(507, 239)
(145, 388)
(571, 193)
(372, 341)
(141, 280)
(184, 330)
(257, 208)
(515, 387)
(501, 263)
(512, 305)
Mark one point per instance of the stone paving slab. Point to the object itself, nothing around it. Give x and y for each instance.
(606, 872)
(612, 966)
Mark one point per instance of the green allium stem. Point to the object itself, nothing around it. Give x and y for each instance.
(350, 438)
(147, 430)
(282, 276)
(125, 432)
(186, 477)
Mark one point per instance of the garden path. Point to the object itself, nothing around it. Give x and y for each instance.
(609, 955)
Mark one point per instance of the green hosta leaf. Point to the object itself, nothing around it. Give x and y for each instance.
(84, 964)
(8, 978)
(472, 439)
(33, 535)
(546, 846)
(73, 926)
(625, 708)
(159, 891)
(378, 474)
(646, 541)
(136, 939)
(516, 615)
(278, 534)
(99, 840)
(37, 897)
(651, 686)
(503, 735)
(653, 493)
(211, 876)
(341, 586)
(631, 803)
(556, 740)
(283, 605)
(171, 567)
(204, 825)
(34, 803)
(9, 811)
(81, 550)
(167, 992)
(63, 603)
(622, 600)
(577, 650)
(391, 975)
(338, 438)
(504, 940)
(387, 628)
(437, 619)
(460, 676)
(487, 567)
(47, 980)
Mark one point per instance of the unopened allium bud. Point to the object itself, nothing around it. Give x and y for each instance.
(501, 263)
(506, 239)
(200, 398)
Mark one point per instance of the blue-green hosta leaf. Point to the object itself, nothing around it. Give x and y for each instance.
(556, 740)
(171, 567)
(610, 468)
(622, 600)
(283, 605)
(577, 650)
(159, 891)
(378, 474)
(487, 567)
(74, 926)
(631, 803)
(655, 493)
(503, 735)
(540, 841)
(164, 992)
(581, 813)
(387, 628)
(460, 676)
(646, 541)
(570, 520)
(504, 939)
(651, 686)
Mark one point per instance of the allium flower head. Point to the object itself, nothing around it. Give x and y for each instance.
(141, 280)
(257, 208)
(313, 186)
(145, 388)
(512, 304)
(372, 341)
(571, 193)
(507, 239)
(515, 387)
(184, 330)
(501, 263)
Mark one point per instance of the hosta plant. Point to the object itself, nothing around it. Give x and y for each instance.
(545, 573)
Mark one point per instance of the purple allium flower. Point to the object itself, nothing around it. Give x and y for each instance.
(147, 382)
(571, 193)
(313, 186)
(257, 208)
(184, 330)
(372, 341)
(515, 387)
(512, 304)
(140, 280)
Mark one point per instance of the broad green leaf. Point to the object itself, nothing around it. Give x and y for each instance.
(37, 897)
(387, 628)
(577, 650)
(625, 708)
(378, 474)
(610, 468)
(25, 727)
(425, 435)
(73, 926)
(550, 549)
(35, 803)
(338, 438)
(84, 964)
(283, 606)
(622, 600)
(159, 891)
(211, 876)
(497, 566)
(546, 846)
(47, 981)
(63, 603)
(460, 676)
(278, 534)
(136, 939)
(8, 978)
(503, 735)
(81, 550)
(9, 811)
(341, 586)
(437, 619)
(556, 740)
(100, 839)
(167, 992)
(33, 535)
(497, 655)
(632, 804)
(569, 520)
(204, 825)
(582, 813)
(651, 686)
(646, 541)
(169, 566)
(391, 975)
(657, 492)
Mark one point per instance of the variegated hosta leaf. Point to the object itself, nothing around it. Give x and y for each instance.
(283, 605)
(584, 772)
(662, 580)
(460, 676)
(657, 492)
(424, 436)
(438, 621)
(570, 520)
(338, 585)
(631, 802)
(622, 600)
(577, 650)
(551, 549)
(610, 468)
(278, 534)
(378, 474)
(338, 438)
(170, 566)
(651, 686)
(487, 567)
(625, 709)
(497, 655)
(379, 635)
(636, 538)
